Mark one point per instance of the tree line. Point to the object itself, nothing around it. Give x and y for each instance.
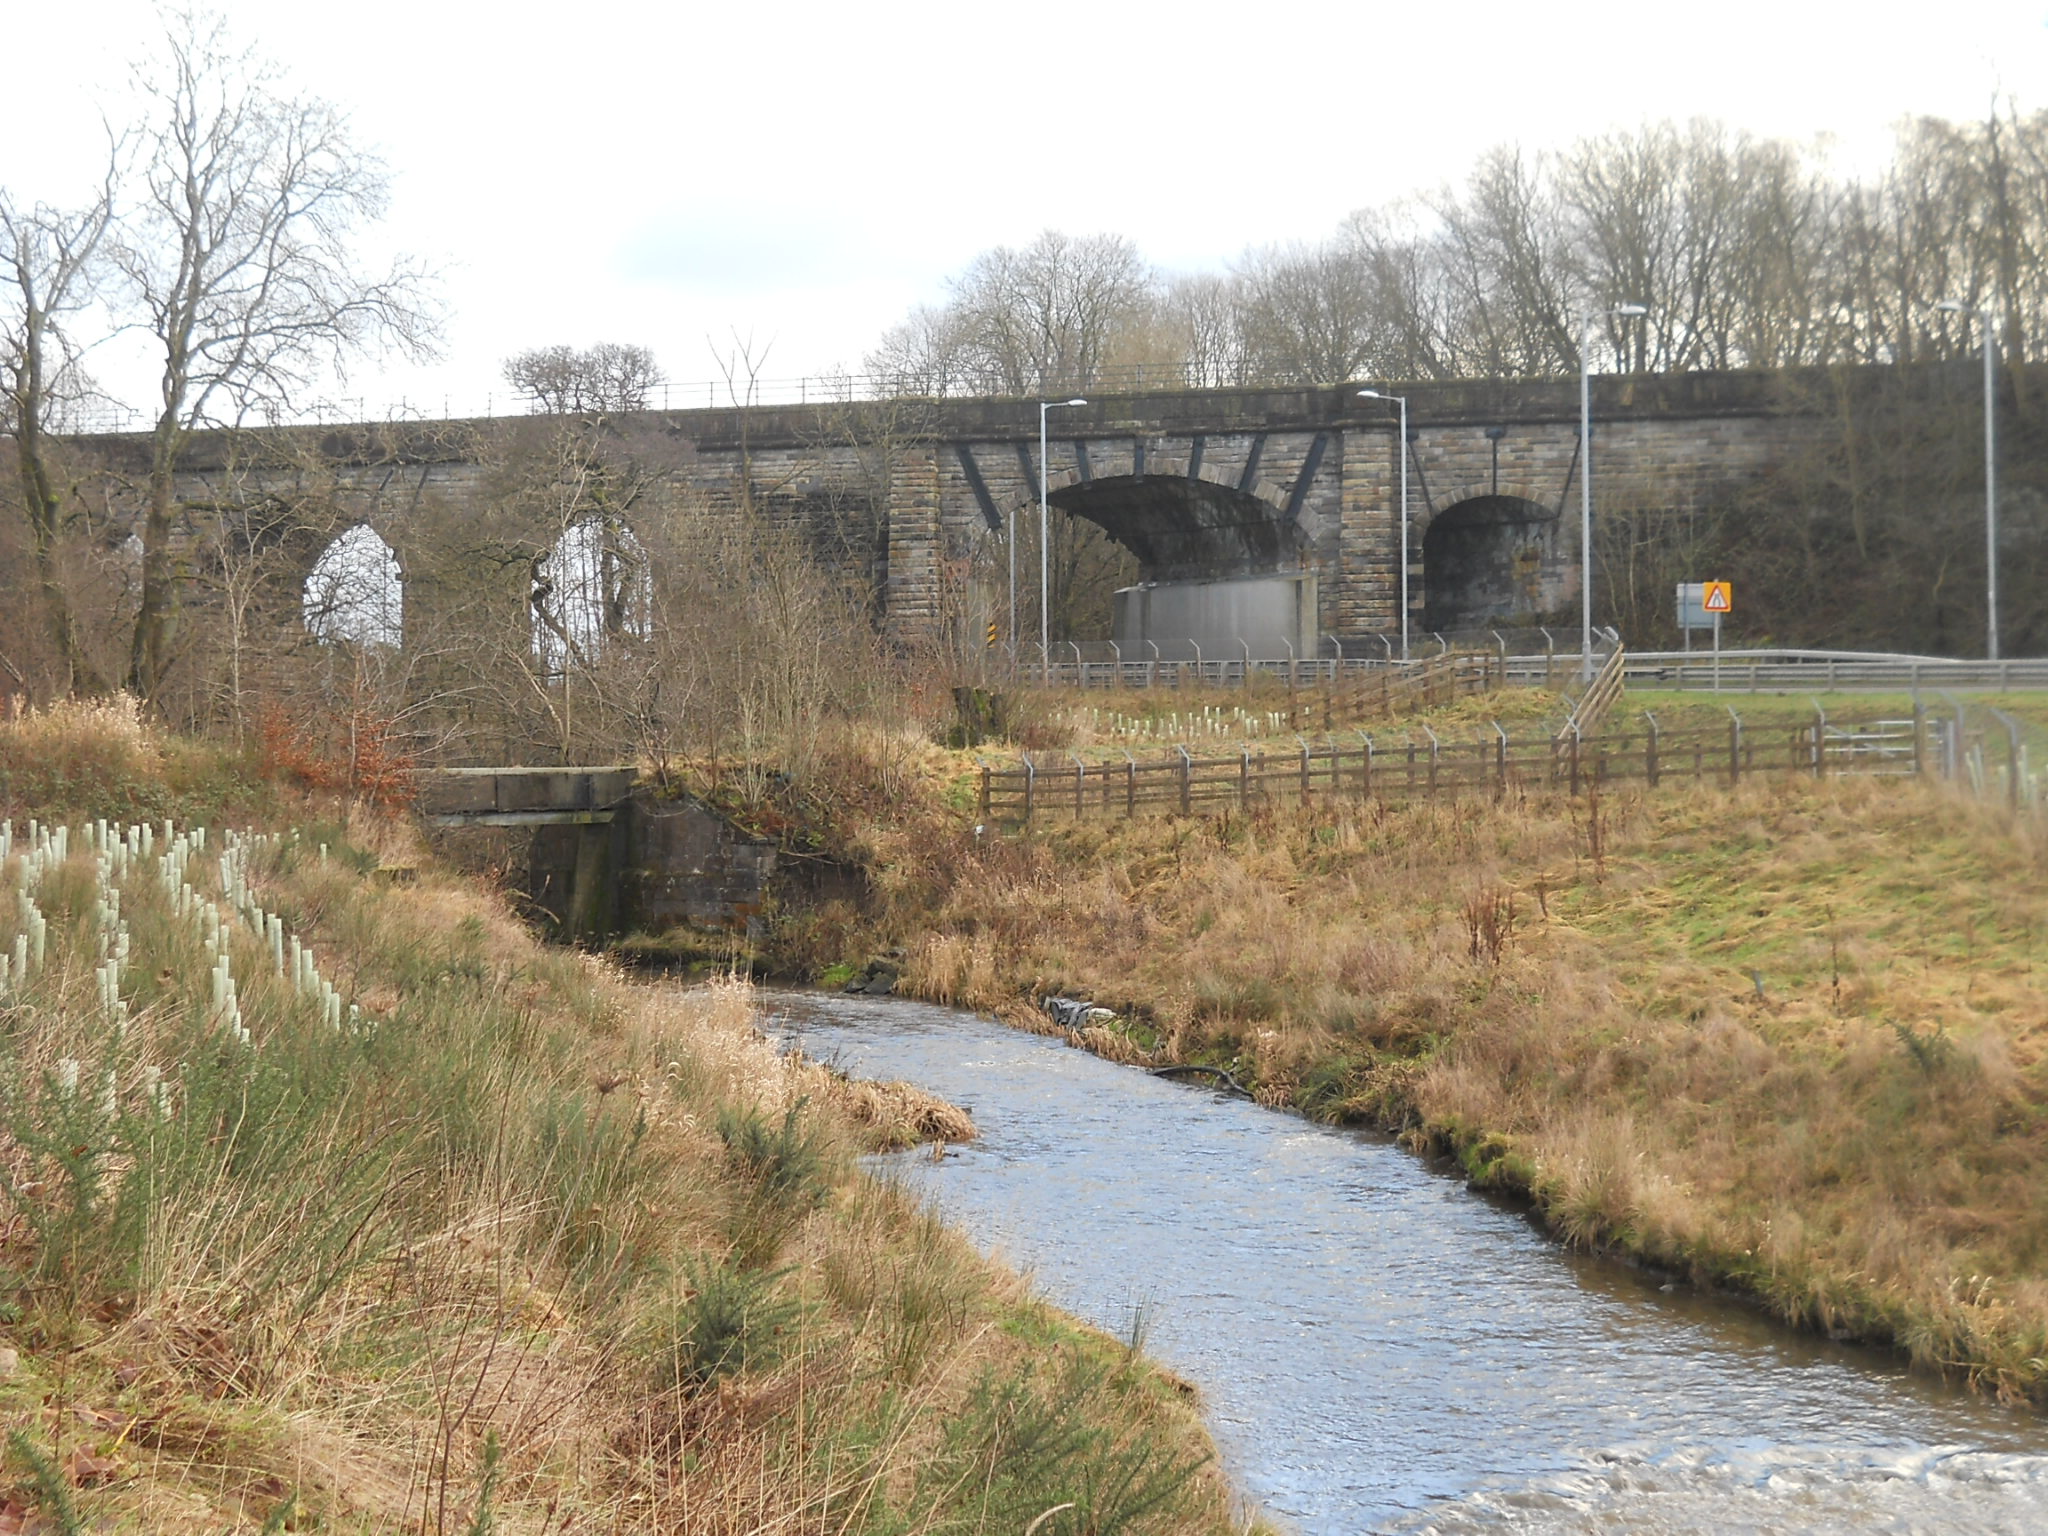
(1746, 252)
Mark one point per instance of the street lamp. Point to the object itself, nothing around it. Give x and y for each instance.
(1044, 541)
(1956, 307)
(1402, 401)
(1586, 323)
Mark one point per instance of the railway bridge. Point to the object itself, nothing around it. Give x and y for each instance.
(1270, 514)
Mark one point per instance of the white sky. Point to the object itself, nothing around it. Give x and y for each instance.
(802, 174)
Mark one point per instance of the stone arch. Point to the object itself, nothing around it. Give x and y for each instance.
(1183, 529)
(1494, 559)
(593, 593)
(355, 591)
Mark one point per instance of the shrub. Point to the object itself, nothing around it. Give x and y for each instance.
(734, 1320)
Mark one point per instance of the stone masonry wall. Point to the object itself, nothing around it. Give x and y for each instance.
(1660, 443)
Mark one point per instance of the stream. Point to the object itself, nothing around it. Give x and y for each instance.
(1380, 1349)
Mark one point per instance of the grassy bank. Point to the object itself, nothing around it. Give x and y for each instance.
(330, 1201)
(1788, 1037)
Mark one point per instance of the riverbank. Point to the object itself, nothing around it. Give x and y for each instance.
(334, 1201)
(1787, 1038)
(1377, 1346)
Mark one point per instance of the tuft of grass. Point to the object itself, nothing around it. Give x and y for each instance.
(1038, 1456)
(87, 758)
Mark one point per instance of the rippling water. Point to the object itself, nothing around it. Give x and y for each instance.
(1379, 1349)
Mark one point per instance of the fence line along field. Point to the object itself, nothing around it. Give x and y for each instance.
(1409, 767)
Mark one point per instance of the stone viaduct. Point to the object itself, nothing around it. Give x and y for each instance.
(1205, 487)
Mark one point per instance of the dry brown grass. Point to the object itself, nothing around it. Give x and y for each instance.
(534, 1245)
(1791, 1038)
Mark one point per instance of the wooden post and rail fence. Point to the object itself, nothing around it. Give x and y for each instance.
(1421, 765)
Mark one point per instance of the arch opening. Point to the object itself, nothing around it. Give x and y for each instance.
(1181, 529)
(1494, 560)
(1217, 569)
(592, 594)
(355, 593)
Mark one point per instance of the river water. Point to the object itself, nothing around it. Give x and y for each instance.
(1379, 1349)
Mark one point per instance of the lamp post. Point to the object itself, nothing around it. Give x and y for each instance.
(1586, 323)
(1956, 307)
(1044, 543)
(1402, 401)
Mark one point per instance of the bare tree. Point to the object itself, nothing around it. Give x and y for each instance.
(608, 377)
(1307, 315)
(239, 258)
(1202, 309)
(1047, 317)
(1413, 302)
(52, 264)
(921, 354)
(1505, 261)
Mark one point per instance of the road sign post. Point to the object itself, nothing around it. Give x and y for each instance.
(1717, 599)
(1701, 605)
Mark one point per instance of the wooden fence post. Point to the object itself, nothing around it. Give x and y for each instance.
(1244, 778)
(1650, 751)
(1130, 785)
(1734, 747)
(984, 794)
(1304, 771)
(1030, 786)
(1187, 774)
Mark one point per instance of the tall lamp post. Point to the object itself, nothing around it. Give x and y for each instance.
(1956, 307)
(1586, 323)
(1401, 401)
(1044, 543)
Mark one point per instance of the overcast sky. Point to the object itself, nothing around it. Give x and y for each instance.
(801, 174)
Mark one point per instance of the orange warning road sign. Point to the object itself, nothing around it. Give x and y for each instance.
(1719, 597)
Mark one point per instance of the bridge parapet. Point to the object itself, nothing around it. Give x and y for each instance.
(523, 797)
